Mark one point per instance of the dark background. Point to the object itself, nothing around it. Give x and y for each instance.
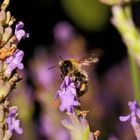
(41, 16)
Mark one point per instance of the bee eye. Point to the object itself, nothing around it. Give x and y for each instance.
(68, 64)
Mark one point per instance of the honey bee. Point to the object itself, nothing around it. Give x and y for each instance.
(73, 68)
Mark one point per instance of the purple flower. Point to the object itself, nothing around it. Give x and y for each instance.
(63, 32)
(132, 117)
(14, 62)
(135, 111)
(112, 137)
(48, 128)
(78, 127)
(67, 95)
(13, 123)
(19, 32)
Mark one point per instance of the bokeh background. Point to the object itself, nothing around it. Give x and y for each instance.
(72, 29)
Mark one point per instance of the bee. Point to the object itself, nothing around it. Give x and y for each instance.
(73, 68)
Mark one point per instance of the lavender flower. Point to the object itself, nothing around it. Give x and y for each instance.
(67, 95)
(63, 32)
(19, 32)
(13, 123)
(132, 117)
(112, 137)
(14, 62)
(10, 60)
(79, 127)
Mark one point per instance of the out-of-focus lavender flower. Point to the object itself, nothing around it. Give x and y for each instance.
(112, 137)
(79, 128)
(67, 95)
(48, 127)
(39, 69)
(19, 32)
(14, 62)
(63, 32)
(132, 117)
(13, 123)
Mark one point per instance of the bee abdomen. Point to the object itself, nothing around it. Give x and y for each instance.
(81, 77)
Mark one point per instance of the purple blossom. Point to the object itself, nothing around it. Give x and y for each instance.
(13, 123)
(67, 95)
(48, 128)
(112, 137)
(135, 111)
(14, 62)
(63, 32)
(78, 127)
(132, 117)
(19, 32)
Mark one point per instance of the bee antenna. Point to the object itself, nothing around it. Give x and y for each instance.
(52, 67)
(61, 58)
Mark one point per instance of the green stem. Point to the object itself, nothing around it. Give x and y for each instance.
(135, 78)
(122, 16)
(133, 66)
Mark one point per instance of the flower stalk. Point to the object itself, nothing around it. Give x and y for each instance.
(135, 78)
(75, 121)
(122, 20)
(10, 63)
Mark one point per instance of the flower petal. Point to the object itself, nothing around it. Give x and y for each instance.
(124, 118)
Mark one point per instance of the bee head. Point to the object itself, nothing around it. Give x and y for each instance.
(65, 66)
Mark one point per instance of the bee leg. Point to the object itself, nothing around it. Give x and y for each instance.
(82, 89)
(61, 76)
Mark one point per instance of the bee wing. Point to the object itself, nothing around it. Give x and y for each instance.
(89, 60)
(94, 58)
